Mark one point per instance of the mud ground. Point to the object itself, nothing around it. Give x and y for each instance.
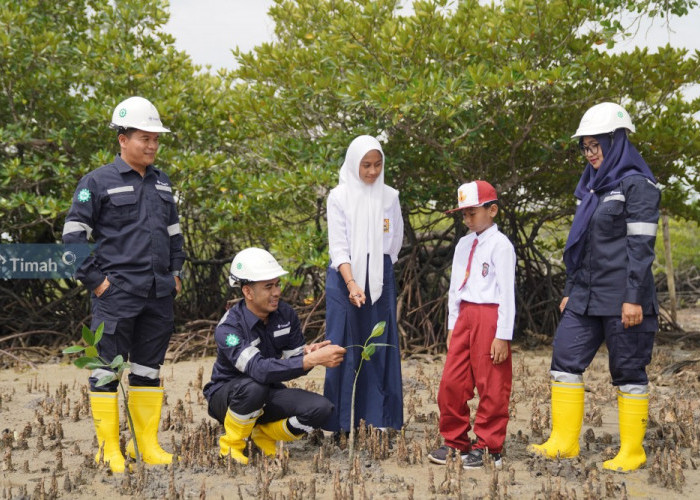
(48, 441)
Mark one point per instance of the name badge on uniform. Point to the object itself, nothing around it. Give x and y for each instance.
(386, 225)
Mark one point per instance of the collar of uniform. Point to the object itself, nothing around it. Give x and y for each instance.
(123, 167)
(487, 233)
(251, 319)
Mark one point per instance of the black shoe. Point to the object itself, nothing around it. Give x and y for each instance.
(475, 459)
(440, 455)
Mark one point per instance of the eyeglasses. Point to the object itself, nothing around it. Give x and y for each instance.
(591, 149)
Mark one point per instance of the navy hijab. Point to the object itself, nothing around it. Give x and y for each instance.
(620, 159)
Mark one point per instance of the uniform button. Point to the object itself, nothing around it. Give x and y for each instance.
(592, 190)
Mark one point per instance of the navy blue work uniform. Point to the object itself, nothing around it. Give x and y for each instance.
(253, 358)
(135, 225)
(615, 269)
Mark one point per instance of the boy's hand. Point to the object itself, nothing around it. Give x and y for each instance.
(449, 337)
(499, 351)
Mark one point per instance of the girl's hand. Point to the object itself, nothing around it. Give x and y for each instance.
(356, 295)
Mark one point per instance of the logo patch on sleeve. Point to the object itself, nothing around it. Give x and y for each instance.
(84, 195)
(232, 340)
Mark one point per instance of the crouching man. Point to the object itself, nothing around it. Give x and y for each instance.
(260, 345)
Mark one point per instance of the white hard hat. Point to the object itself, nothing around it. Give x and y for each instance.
(254, 264)
(604, 118)
(139, 113)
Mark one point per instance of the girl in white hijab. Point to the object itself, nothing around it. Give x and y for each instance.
(365, 232)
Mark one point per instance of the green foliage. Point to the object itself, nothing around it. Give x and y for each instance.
(489, 90)
(685, 241)
(92, 361)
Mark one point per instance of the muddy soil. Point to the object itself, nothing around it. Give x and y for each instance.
(48, 441)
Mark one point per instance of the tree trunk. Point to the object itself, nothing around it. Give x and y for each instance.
(670, 278)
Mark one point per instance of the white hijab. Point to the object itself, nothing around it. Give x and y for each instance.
(364, 206)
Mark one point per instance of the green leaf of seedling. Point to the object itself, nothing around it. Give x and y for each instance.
(369, 351)
(91, 351)
(106, 380)
(73, 349)
(117, 362)
(380, 344)
(378, 329)
(88, 336)
(365, 356)
(83, 361)
(99, 332)
(93, 365)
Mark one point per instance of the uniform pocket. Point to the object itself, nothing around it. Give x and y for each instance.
(611, 219)
(612, 208)
(108, 291)
(122, 207)
(167, 203)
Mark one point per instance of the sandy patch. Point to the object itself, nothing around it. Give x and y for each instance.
(48, 442)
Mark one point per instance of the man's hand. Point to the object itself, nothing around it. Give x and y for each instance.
(499, 351)
(329, 356)
(449, 338)
(562, 304)
(178, 285)
(308, 349)
(631, 314)
(102, 288)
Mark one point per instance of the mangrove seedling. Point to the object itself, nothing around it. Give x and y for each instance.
(91, 360)
(368, 349)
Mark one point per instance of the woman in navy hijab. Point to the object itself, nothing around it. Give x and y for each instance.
(609, 295)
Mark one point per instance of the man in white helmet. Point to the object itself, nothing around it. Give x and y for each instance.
(128, 209)
(260, 345)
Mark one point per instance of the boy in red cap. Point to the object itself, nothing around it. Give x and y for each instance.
(480, 328)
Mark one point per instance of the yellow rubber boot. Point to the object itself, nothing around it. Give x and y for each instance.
(105, 414)
(633, 410)
(145, 404)
(265, 436)
(238, 429)
(567, 418)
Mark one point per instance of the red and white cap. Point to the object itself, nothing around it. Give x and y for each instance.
(474, 194)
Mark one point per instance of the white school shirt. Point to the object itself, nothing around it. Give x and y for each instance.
(340, 232)
(491, 278)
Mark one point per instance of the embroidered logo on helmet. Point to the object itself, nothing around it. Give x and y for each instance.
(122, 112)
(232, 340)
(84, 195)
